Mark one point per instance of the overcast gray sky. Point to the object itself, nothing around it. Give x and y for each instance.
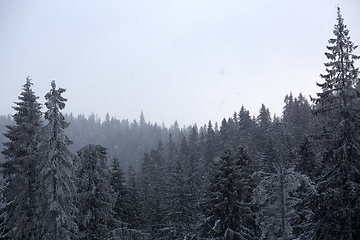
(191, 61)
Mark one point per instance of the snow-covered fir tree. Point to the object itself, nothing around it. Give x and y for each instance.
(180, 213)
(152, 191)
(228, 213)
(276, 197)
(20, 169)
(246, 131)
(307, 166)
(134, 219)
(338, 106)
(56, 185)
(95, 198)
(278, 184)
(123, 207)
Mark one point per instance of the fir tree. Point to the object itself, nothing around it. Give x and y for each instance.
(228, 211)
(117, 177)
(209, 153)
(276, 197)
(306, 163)
(224, 136)
(308, 167)
(134, 215)
(298, 118)
(263, 128)
(20, 169)
(338, 106)
(95, 198)
(180, 217)
(123, 207)
(56, 185)
(192, 165)
(152, 191)
(246, 130)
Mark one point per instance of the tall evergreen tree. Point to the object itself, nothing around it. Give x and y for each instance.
(134, 211)
(224, 135)
(192, 166)
(180, 212)
(117, 177)
(338, 105)
(306, 165)
(20, 169)
(152, 191)
(227, 205)
(263, 128)
(56, 185)
(126, 206)
(209, 153)
(95, 198)
(246, 130)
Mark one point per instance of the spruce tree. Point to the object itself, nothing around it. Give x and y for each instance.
(246, 130)
(209, 153)
(56, 185)
(20, 169)
(228, 213)
(152, 185)
(95, 198)
(337, 211)
(307, 166)
(276, 196)
(134, 211)
(298, 118)
(180, 211)
(123, 207)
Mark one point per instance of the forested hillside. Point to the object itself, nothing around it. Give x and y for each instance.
(295, 176)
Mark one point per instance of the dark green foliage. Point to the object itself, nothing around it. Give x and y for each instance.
(294, 177)
(126, 203)
(117, 181)
(132, 212)
(56, 186)
(20, 169)
(181, 212)
(95, 198)
(307, 163)
(5, 120)
(246, 131)
(152, 191)
(227, 203)
(338, 106)
(298, 119)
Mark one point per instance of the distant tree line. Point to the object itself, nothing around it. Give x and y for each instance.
(253, 177)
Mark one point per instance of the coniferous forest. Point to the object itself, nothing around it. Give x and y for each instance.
(249, 177)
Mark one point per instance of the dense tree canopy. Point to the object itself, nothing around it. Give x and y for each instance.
(295, 176)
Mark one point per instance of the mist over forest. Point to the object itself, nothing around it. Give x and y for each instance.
(295, 176)
(128, 140)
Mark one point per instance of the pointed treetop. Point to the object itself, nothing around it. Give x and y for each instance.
(28, 82)
(342, 77)
(54, 98)
(142, 119)
(28, 107)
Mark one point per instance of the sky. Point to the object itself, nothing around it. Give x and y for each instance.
(185, 60)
